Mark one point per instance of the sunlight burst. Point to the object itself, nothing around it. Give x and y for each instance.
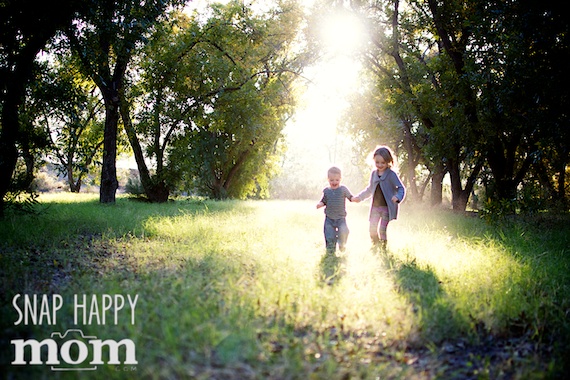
(315, 135)
(342, 32)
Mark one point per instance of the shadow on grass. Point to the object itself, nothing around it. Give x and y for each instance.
(57, 221)
(47, 252)
(448, 345)
(533, 325)
(332, 268)
(540, 241)
(213, 336)
(91, 259)
(435, 313)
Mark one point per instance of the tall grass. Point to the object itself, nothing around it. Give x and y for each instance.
(244, 290)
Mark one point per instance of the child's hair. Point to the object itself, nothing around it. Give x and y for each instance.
(385, 153)
(333, 170)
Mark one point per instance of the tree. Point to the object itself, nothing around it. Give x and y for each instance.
(231, 153)
(216, 91)
(33, 140)
(420, 89)
(26, 28)
(469, 77)
(105, 41)
(521, 53)
(67, 108)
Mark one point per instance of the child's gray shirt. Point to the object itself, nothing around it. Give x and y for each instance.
(334, 199)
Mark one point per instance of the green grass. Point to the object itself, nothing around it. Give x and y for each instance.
(242, 290)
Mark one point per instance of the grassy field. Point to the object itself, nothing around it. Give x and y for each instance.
(243, 290)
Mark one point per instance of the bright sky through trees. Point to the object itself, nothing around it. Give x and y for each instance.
(313, 137)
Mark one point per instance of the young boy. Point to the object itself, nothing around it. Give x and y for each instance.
(334, 196)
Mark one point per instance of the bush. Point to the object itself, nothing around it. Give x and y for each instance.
(134, 186)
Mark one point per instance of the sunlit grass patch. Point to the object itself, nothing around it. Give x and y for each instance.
(480, 277)
(67, 197)
(269, 268)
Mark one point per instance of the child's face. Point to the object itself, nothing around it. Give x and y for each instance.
(334, 180)
(380, 163)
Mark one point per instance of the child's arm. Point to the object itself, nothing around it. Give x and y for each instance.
(351, 197)
(323, 201)
(400, 189)
(368, 191)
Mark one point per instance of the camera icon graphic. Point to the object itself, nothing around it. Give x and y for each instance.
(73, 350)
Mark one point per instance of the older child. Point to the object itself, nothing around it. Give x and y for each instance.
(333, 198)
(387, 192)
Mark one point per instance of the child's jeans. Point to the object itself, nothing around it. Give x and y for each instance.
(336, 230)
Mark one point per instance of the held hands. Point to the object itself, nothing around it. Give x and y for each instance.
(356, 200)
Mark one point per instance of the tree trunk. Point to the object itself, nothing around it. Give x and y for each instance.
(436, 196)
(561, 193)
(219, 192)
(28, 158)
(109, 183)
(8, 150)
(20, 62)
(11, 97)
(69, 170)
(234, 169)
(412, 160)
(458, 197)
(74, 186)
(155, 190)
(501, 159)
(158, 193)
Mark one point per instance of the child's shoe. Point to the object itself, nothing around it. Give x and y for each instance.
(379, 246)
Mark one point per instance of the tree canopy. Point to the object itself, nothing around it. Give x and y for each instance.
(471, 87)
(26, 28)
(218, 91)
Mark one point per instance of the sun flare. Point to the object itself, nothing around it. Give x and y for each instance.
(342, 32)
(315, 135)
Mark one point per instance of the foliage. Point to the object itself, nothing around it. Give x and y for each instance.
(105, 40)
(468, 81)
(218, 88)
(65, 107)
(25, 202)
(25, 31)
(498, 210)
(475, 89)
(134, 187)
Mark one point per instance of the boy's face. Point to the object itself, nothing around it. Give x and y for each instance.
(334, 180)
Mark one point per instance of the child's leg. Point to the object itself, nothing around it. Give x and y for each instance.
(342, 233)
(384, 219)
(374, 219)
(330, 235)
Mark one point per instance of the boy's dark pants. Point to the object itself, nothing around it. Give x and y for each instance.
(336, 230)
